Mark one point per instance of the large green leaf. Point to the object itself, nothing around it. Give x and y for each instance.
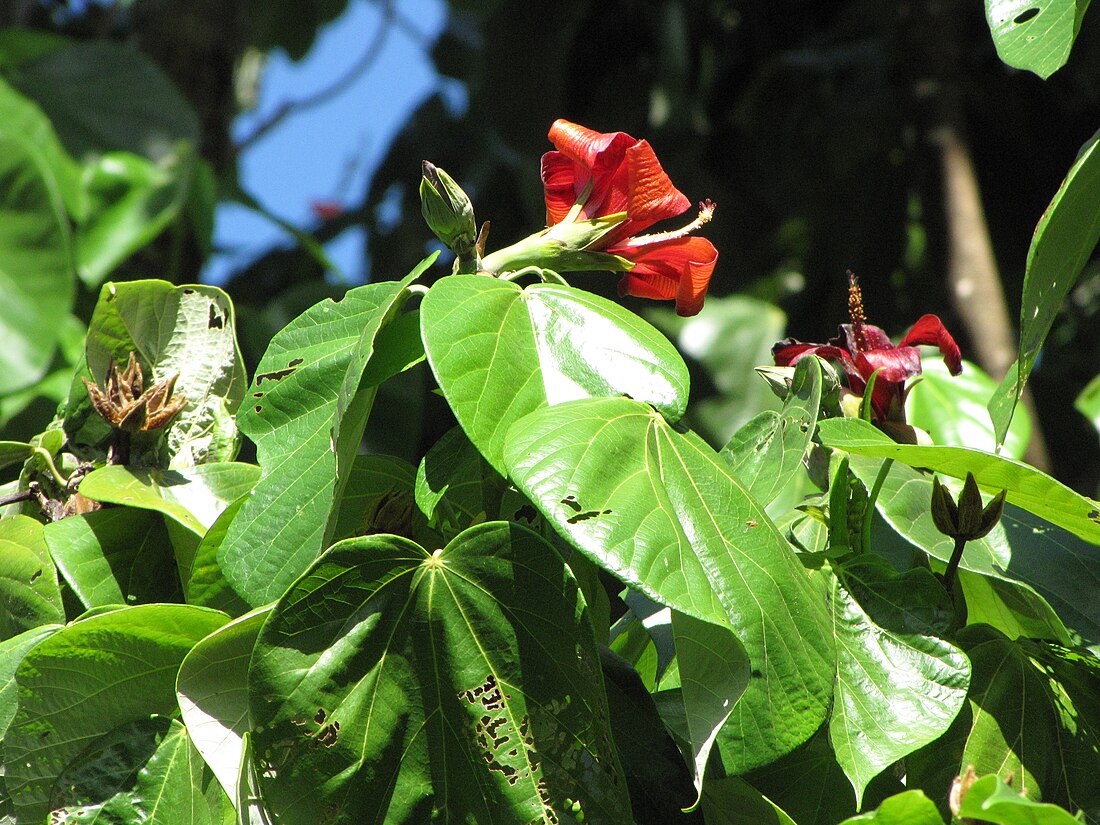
(36, 262)
(391, 683)
(499, 352)
(102, 96)
(212, 688)
(1014, 608)
(1035, 714)
(894, 692)
(767, 452)
(732, 801)
(12, 651)
(952, 409)
(1027, 487)
(87, 679)
(661, 510)
(306, 411)
(909, 808)
(187, 331)
(129, 201)
(119, 555)
(29, 592)
(1036, 35)
(1061, 246)
(14, 452)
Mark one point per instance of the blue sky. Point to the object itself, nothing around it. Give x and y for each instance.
(328, 152)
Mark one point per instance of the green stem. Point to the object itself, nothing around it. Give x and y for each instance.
(869, 513)
(953, 566)
(45, 455)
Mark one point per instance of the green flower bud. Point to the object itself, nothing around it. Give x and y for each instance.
(968, 519)
(447, 210)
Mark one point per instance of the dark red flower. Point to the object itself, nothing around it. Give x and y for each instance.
(862, 349)
(596, 175)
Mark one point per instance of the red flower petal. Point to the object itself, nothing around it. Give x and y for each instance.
(559, 178)
(895, 364)
(929, 329)
(678, 268)
(872, 338)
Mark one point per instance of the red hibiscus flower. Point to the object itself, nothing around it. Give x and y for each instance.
(595, 175)
(862, 349)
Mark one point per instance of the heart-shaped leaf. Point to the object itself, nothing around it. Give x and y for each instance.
(390, 682)
(499, 351)
(661, 510)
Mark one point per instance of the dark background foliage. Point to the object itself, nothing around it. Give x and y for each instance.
(819, 128)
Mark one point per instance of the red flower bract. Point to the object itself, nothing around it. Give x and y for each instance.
(594, 175)
(862, 349)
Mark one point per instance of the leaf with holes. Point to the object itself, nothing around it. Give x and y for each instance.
(306, 411)
(1036, 35)
(767, 452)
(187, 331)
(29, 591)
(894, 692)
(1062, 244)
(212, 688)
(663, 512)
(390, 683)
(89, 679)
(499, 351)
(1031, 489)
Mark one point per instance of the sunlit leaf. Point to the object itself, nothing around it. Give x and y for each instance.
(391, 682)
(87, 679)
(499, 352)
(661, 510)
(29, 592)
(909, 808)
(991, 800)
(1036, 35)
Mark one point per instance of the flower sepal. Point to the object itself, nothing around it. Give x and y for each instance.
(561, 248)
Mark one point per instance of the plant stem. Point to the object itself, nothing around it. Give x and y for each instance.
(23, 495)
(953, 566)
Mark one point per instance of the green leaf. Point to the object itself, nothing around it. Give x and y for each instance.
(729, 337)
(379, 498)
(1027, 487)
(130, 200)
(1088, 402)
(212, 688)
(36, 262)
(391, 682)
(14, 452)
(206, 585)
(303, 415)
(12, 651)
(766, 453)
(662, 511)
(909, 808)
(187, 331)
(29, 593)
(85, 680)
(1035, 713)
(170, 788)
(894, 692)
(732, 801)
(714, 672)
(104, 96)
(1061, 246)
(990, 800)
(499, 352)
(952, 409)
(120, 555)
(1035, 35)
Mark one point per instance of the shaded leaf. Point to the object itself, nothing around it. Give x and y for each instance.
(909, 808)
(732, 801)
(499, 352)
(390, 682)
(29, 592)
(85, 680)
(12, 651)
(661, 510)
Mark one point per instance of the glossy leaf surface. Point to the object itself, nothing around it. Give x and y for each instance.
(499, 351)
(662, 511)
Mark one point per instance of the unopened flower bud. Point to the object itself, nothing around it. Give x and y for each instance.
(967, 519)
(447, 210)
